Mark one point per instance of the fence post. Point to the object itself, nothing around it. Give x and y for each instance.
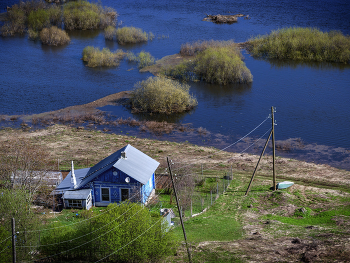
(13, 240)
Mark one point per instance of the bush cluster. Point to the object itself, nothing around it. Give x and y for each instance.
(143, 58)
(54, 36)
(298, 43)
(214, 62)
(110, 32)
(126, 35)
(118, 233)
(161, 95)
(37, 14)
(102, 58)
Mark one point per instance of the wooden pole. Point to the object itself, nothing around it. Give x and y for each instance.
(13, 240)
(273, 148)
(180, 214)
(262, 153)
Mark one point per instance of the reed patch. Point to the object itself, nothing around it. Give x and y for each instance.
(102, 58)
(131, 35)
(307, 44)
(161, 95)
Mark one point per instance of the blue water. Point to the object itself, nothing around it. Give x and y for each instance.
(312, 100)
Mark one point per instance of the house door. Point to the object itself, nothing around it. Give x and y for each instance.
(124, 194)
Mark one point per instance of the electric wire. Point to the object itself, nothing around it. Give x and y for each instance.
(130, 241)
(220, 150)
(94, 230)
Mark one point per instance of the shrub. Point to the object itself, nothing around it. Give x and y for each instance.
(54, 36)
(39, 19)
(222, 65)
(101, 58)
(84, 15)
(214, 61)
(127, 232)
(159, 94)
(16, 22)
(143, 58)
(297, 43)
(127, 35)
(32, 34)
(110, 32)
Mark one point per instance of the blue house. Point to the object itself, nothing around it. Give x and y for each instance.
(127, 174)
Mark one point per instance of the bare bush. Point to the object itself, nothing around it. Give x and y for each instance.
(54, 36)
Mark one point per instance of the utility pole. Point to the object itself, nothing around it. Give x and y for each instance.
(262, 153)
(273, 148)
(13, 240)
(178, 207)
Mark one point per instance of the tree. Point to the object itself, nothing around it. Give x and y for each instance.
(23, 166)
(15, 204)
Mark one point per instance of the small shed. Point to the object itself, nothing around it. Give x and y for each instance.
(78, 199)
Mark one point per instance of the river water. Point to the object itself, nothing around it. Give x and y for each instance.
(311, 99)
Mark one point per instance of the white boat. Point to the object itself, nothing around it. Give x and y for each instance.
(285, 184)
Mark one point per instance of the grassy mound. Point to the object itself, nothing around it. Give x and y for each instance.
(126, 35)
(161, 95)
(101, 58)
(307, 44)
(54, 36)
(213, 62)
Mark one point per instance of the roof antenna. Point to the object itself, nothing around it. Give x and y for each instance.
(73, 180)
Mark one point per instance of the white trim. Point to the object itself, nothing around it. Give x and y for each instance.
(109, 194)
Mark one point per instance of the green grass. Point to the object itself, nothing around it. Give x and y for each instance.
(318, 219)
(306, 44)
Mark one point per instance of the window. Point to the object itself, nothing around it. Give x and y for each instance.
(75, 203)
(105, 194)
(88, 200)
(124, 194)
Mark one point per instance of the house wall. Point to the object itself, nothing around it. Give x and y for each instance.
(114, 183)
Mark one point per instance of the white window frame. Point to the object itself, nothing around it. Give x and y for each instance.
(109, 194)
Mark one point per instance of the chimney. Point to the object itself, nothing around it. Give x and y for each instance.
(123, 155)
(73, 180)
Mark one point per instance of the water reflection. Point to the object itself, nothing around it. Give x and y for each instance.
(83, 34)
(294, 64)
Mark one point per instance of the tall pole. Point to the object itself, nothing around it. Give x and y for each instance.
(13, 241)
(256, 167)
(273, 148)
(178, 208)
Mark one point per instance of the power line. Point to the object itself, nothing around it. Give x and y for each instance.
(220, 150)
(130, 241)
(95, 230)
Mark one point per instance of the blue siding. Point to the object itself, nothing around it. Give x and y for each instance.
(147, 189)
